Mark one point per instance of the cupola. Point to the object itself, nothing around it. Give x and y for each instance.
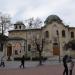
(19, 26)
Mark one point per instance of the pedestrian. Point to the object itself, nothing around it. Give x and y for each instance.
(22, 62)
(65, 58)
(70, 65)
(2, 64)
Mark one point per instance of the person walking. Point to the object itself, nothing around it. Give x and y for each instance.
(22, 62)
(2, 64)
(70, 65)
(65, 58)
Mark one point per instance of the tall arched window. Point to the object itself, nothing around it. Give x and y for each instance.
(72, 34)
(19, 27)
(63, 33)
(46, 34)
(57, 32)
(15, 27)
(29, 47)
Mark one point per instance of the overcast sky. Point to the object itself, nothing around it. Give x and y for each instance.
(24, 9)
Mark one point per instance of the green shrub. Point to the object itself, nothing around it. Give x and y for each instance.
(28, 58)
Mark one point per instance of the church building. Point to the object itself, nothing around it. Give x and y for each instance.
(21, 41)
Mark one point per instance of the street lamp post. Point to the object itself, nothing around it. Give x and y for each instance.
(58, 44)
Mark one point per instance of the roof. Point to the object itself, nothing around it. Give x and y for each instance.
(26, 30)
(52, 18)
(71, 27)
(15, 38)
(19, 23)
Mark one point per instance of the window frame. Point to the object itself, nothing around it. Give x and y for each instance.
(63, 33)
(47, 34)
(72, 34)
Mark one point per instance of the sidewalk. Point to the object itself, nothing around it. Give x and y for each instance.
(40, 70)
(16, 64)
(32, 68)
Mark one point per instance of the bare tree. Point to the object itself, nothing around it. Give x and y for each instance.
(39, 47)
(38, 43)
(35, 41)
(5, 23)
(33, 23)
(37, 23)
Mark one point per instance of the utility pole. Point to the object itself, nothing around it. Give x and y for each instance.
(58, 45)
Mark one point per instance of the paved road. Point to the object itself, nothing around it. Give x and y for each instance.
(28, 64)
(40, 70)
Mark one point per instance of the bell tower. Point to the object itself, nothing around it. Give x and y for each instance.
(19, 26)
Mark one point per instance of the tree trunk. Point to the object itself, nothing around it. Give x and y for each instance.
(40, 58)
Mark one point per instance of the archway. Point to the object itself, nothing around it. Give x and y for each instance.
(9, 51)
(56, 49)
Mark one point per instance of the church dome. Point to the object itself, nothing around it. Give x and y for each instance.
(52, 18)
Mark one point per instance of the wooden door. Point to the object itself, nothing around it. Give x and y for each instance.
(56, 51)
(9, 50)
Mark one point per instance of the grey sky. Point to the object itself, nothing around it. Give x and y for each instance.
(24, 9)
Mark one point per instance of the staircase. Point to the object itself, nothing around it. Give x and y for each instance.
(55, 58)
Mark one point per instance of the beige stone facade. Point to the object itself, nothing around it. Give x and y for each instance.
(54, 32)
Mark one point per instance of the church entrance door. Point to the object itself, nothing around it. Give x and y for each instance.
(9, 51)
(56, 49)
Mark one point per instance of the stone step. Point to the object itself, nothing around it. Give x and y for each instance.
(54, 58)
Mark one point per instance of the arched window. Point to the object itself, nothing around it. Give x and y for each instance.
(19, 27)
(16, 52)
(57, 32)
(29, 47)
(15, 27)
(72, 34)
(46, 34)
(63, 33)
(1, 47)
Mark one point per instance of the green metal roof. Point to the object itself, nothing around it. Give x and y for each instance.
(52, 18)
